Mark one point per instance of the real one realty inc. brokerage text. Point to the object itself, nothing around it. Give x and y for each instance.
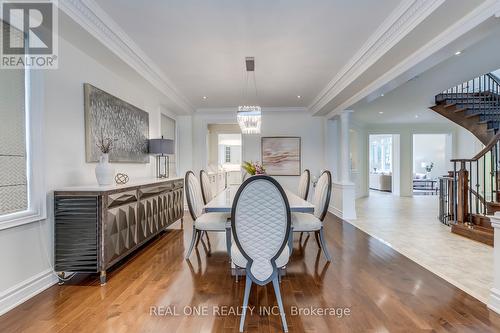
(226, 310)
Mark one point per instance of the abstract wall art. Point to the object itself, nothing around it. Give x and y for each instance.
(110, 117)
(281, 155)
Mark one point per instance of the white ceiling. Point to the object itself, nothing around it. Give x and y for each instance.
(299, 45)
(410, 102)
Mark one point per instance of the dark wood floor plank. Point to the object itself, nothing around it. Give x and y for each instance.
(384, 291)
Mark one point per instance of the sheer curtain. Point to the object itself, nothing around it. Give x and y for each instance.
(13, 160)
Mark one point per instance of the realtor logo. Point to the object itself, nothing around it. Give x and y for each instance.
(29, 34)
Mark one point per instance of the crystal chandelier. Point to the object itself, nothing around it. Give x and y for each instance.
(249, 116)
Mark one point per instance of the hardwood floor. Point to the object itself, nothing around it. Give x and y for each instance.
(383, 290)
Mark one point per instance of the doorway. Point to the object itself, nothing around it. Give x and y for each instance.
(430, 161)
(225, 147)
(380, 162)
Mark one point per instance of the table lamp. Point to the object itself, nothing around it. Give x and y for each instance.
(162, 148)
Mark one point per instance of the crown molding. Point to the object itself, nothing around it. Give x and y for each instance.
(264, 109)
(101, 26)
(408, 15)
(483, 12)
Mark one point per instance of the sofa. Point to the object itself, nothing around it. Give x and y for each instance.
(381, 182)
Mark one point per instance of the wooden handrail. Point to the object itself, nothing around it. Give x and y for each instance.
(483, 152)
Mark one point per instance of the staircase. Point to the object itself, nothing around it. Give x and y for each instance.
(471, 191)
(474, 105)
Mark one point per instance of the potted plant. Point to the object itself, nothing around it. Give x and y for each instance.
(253, 168)
(428, 168)
(104, 171)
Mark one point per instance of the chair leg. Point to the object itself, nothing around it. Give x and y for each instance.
(228, 242)
(193, 240)
(248, 286)
(276, 286)
(316, 235)
(323, 245)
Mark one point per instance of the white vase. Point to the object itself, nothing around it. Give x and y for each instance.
(104, 171)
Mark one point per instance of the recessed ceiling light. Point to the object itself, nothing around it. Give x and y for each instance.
(381, 112)
(205, 97)
(299, 97)
(381, 95)
(458, 53)
(416, 116)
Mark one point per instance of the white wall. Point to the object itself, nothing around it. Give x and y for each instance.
(274, 123)
(463, 144)
(429, 148)
(26, 251)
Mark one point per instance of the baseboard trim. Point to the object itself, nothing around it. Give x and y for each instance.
(335, 211)
(25, 290)
(494, 301)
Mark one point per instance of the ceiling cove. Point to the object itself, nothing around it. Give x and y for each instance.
(427, 55)
(400, 22)
(101, 26)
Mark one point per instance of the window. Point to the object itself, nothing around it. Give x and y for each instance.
(13, 161)
(380, 153)
(21, 181)
(228, 154)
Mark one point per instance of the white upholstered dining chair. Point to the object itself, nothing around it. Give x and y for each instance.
(203, 222)
(206, 190)
(304, 181)
(261, 227)
(303, 222)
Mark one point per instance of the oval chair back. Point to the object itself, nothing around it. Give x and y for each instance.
(244, 176)
(305, 180)
(261, 225)
(322, 195)
(194, 196)
(206, 190)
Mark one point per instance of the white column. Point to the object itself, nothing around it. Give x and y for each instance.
(343, 202)
(494, 302)
(345, 147)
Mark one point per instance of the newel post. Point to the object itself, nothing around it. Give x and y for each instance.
(494, 301)
(462, 193)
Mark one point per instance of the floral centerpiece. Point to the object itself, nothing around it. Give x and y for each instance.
(253, 168)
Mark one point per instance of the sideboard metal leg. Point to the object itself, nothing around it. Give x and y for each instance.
(61, 277)
(103, 278)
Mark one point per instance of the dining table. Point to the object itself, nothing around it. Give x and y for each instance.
(223, 202)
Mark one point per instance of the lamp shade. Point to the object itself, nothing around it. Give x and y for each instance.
(161, 146)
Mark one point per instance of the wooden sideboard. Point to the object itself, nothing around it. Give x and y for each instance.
(97, 226)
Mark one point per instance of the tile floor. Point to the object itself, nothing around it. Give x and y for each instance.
(410, 226)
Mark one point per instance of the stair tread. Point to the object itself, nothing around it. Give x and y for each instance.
(475, 228)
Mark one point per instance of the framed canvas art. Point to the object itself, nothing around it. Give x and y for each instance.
(108, 116)
(281, 156)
